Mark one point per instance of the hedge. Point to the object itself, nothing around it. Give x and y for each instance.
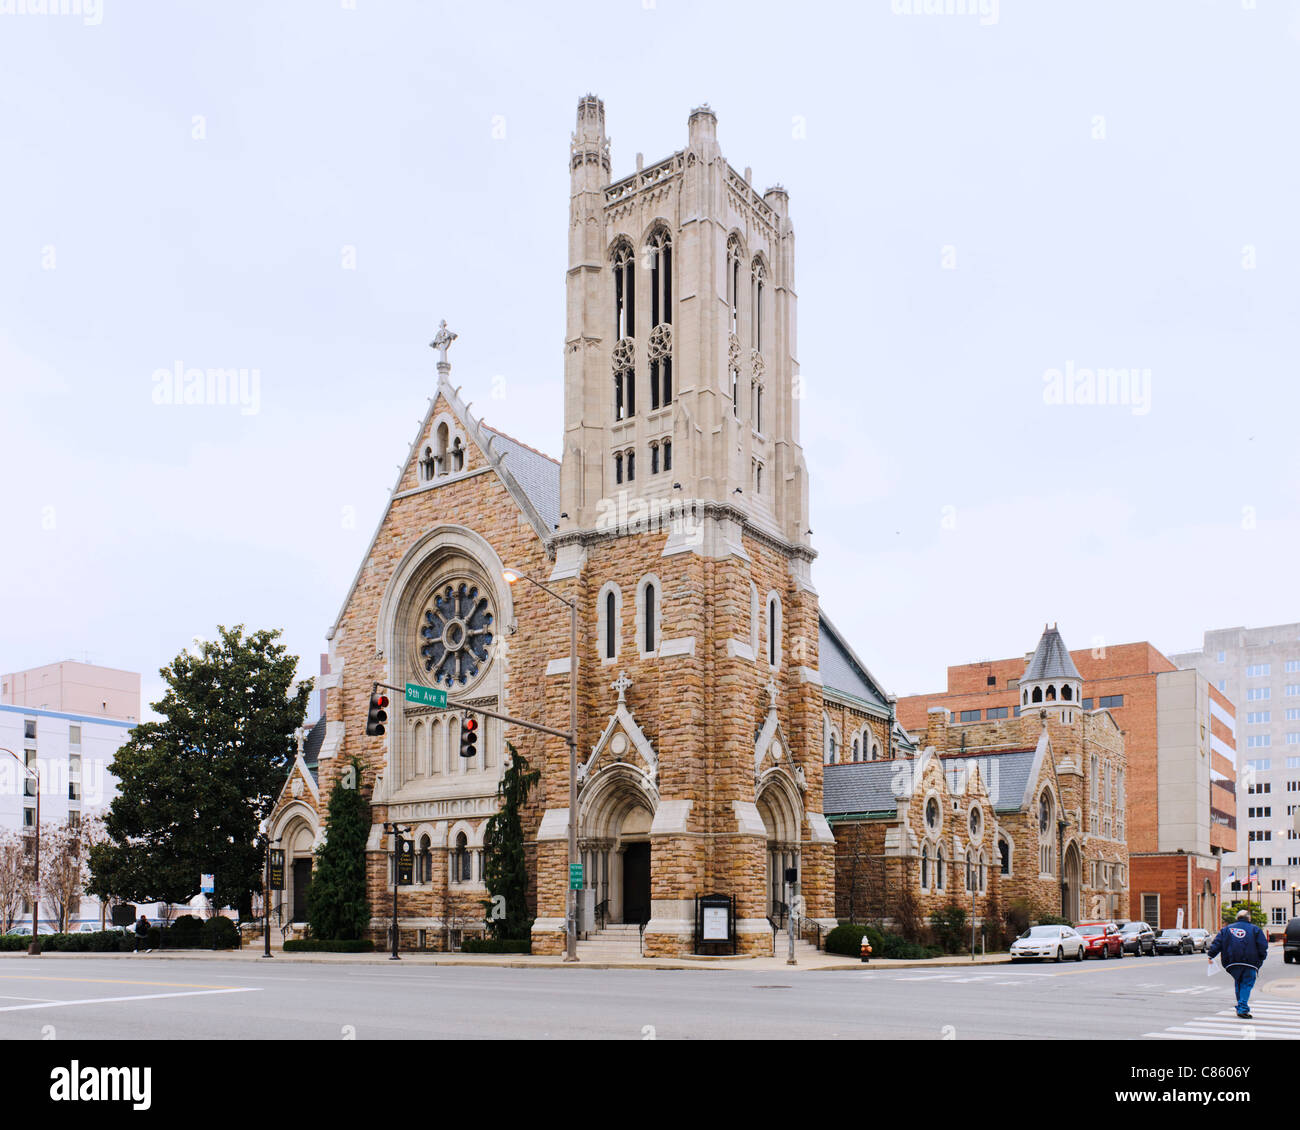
(101, 941)
(327, 945)
(846, 939)
(493, 945)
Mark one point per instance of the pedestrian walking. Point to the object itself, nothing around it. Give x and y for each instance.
(142, 934)
(1244, 947)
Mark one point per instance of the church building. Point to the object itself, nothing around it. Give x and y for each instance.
(676, 523)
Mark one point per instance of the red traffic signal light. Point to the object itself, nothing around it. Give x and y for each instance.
(378, 715)
(468, 736)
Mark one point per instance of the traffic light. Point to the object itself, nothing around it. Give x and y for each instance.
(468, 736)
(378, 714)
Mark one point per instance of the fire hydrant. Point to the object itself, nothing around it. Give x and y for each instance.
(866, 949)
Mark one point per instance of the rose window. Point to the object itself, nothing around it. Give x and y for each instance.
(456, 634)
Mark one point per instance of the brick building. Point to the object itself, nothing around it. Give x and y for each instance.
(1179, 744)
(677, 522)
(1021, 805)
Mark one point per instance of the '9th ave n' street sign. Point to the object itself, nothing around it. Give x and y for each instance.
(425, 696)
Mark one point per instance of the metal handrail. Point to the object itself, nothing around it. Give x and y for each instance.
(602, 909)
(641, 939)
(803, 923)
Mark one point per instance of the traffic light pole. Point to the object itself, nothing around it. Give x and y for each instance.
(456, 704)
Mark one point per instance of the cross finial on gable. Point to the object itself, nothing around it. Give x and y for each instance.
(771, 694)
(621, 684)
(301, 735)
(442, 342)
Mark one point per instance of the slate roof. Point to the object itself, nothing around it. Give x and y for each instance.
(1051, 659)
(538, 475)
(862, 787)
(842, 671)
(858, 786)
(1006, 780)
(311, 747)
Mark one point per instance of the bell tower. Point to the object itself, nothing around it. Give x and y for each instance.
(681, 377)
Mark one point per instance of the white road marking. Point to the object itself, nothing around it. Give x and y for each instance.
(1269, 1021)
(114, 1000)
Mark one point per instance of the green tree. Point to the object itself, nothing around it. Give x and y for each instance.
(1257, 915)
(194, 787)
(337, 909)
(504, 867)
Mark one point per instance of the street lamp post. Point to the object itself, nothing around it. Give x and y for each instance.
(571, 898)
(397, 832)
(266, 891)
(34, 772)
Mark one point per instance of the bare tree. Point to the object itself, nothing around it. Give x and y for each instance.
(93, 832)
(64, 873)
(15, 878)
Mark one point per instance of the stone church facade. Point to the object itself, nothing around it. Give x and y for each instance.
(1025, 807)
(677, 522)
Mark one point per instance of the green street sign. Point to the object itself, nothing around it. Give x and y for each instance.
(425, 696)
(575, 876)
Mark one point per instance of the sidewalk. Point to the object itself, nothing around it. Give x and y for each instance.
(808, 962)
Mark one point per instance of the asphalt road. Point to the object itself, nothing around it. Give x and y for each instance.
(135, 996)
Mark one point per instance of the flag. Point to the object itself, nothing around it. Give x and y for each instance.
(1232, 876)
(1254, 876)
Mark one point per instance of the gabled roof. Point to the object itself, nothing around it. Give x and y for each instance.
(844, 673)
(859, 787)
(1011, 774)
(531, 478)
(1051, 659)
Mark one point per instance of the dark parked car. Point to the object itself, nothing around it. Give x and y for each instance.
(1175, 941)
(1291, 942)
(1138, 938)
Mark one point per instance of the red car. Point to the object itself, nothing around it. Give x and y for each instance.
(1102, 939)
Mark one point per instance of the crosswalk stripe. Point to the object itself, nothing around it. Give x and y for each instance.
(1270, 1020)
(1174, 1034)
(1241, 1026)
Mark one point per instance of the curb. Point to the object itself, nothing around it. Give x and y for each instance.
(738, 963)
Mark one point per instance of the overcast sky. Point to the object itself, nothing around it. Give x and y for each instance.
(980, 202)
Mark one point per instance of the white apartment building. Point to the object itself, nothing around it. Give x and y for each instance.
(71, 749)
(1259, 669)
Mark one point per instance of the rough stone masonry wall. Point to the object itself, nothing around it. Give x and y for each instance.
(701, 711)
(482, 504)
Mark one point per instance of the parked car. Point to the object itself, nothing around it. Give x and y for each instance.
(1049, 942)
(1201, 939)
(1138, 938)
(1102, 939)
(1291, 941)
(1174, 941)
(25, 930)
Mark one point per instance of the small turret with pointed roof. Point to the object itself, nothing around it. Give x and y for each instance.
(1051, 681)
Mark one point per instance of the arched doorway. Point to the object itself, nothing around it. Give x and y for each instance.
(297, 841)
(616, 811)
(1073, 875)
(782, 814)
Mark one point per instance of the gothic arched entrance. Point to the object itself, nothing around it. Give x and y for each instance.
(1073, 877)
(616, 811)
(782, 814)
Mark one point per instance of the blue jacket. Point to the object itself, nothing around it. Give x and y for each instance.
(1241, 943)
